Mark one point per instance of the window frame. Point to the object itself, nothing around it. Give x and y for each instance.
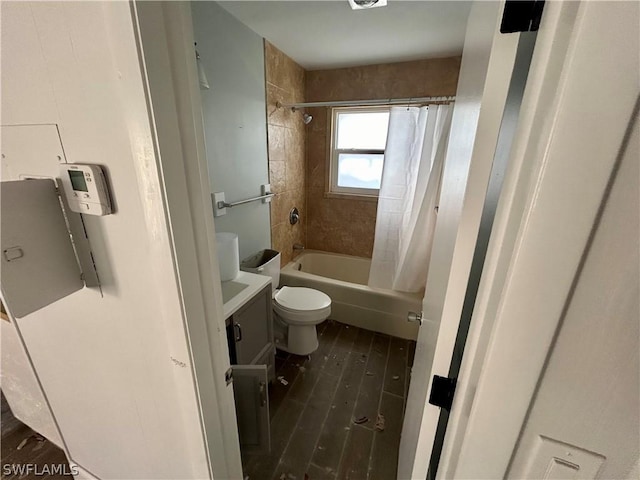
(334, 153)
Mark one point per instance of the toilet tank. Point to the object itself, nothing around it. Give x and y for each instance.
(265, 262)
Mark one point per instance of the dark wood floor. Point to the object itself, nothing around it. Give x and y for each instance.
(21, 447)
(323, 422)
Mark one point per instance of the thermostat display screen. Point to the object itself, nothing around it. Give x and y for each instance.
(77, 181)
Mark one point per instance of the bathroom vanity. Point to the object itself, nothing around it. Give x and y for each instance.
(248, 319)
(249, 323)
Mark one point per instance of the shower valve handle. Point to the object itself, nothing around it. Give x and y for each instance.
(414, 317)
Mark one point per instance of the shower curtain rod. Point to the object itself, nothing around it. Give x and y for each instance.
(367, 103)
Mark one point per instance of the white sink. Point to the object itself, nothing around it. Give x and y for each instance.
(237, 292)
(230, 289)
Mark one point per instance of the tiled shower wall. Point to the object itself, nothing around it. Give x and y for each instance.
(298, 166)
(285, 81)
(347, 224)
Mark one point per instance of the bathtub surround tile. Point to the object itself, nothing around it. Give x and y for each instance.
(275, 115)
(280, 208)
(282, 71)
(347, 225)
(278, 236)
(418, 78)
(277, 177)
(276, 143)
(295, 160)
(285, 83)
(343, 225)
(312, 428)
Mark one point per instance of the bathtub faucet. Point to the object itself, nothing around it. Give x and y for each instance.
(298, 246)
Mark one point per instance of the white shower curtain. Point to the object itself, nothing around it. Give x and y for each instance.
(413, 161)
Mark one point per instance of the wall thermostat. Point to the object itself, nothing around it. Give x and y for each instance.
(85, 188)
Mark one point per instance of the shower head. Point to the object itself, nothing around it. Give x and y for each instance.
(306, 118)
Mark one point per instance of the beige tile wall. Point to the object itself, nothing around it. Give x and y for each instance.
(347, 225)
(298, 153)
(285, 82)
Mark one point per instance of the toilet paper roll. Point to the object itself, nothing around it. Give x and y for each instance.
(228, 255)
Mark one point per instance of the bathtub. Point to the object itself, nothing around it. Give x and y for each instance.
(344, 279)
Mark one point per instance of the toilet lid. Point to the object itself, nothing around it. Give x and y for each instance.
(301, 298)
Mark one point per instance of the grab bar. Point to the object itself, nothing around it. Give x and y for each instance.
(223, 204)
(220, 204)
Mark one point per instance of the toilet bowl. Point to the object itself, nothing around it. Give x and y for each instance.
(296, 310)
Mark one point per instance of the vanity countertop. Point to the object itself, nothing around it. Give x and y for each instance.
(240, 290)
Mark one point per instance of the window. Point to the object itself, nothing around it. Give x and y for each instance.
(358, 141)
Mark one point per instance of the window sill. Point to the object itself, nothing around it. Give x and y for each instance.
(351, 196)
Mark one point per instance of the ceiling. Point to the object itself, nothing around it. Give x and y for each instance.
(328, 34)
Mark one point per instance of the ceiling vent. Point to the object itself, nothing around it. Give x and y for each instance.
(363, 4)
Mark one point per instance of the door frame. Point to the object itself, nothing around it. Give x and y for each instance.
(484, 84)
(164, 34)
(527, 206)
(512, 331)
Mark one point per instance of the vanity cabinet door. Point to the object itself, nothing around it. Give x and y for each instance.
(252, 328)
(250, 385)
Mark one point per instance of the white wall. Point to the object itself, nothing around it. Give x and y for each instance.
(235, 120)
(115, 368)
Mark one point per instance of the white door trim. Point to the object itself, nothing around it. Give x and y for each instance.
(549, 205)
(166, 44)
(485, 78)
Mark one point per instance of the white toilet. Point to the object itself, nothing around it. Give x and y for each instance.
(296, 310)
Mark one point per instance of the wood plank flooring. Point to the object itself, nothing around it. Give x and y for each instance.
(323, 421)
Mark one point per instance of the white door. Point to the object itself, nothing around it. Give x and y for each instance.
(483, 91)
(556, 319)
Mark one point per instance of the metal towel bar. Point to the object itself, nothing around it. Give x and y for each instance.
(223, 204)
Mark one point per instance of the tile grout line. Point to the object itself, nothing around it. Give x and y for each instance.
(306, 404)
(344, 367)
(321, 468)
(324, 422)
(373, 442)
(346, 440)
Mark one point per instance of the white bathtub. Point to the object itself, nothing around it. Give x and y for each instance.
(344, 279)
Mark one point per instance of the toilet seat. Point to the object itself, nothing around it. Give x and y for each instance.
(301, 305)
(301, 299)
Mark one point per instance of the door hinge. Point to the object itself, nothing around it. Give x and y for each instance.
(521, 16)
(442, 390)
(228, 376)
